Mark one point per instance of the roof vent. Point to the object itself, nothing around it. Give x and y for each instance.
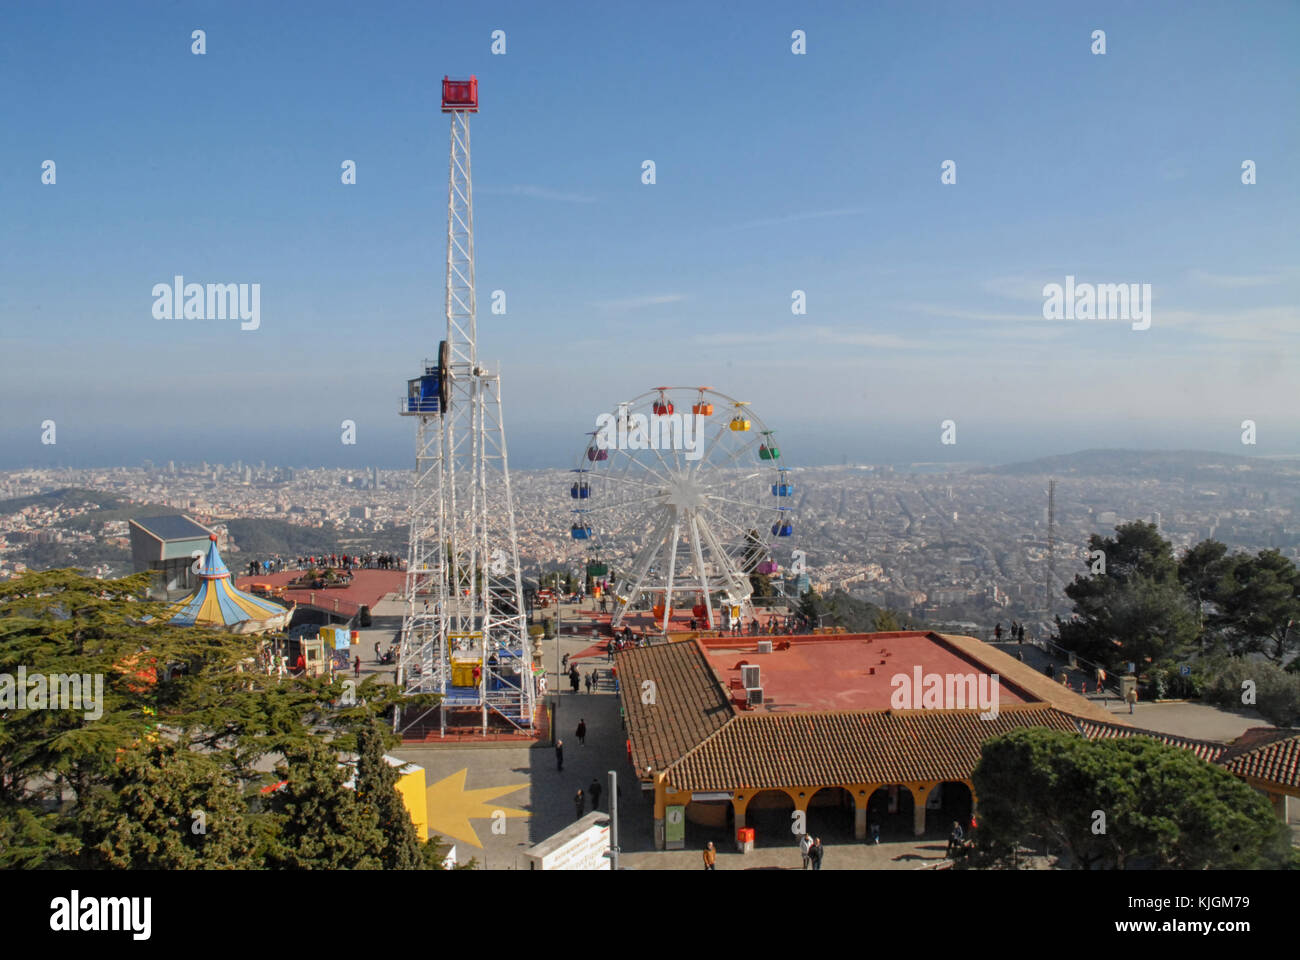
(765, 646)
(749, 677)
(754, 695)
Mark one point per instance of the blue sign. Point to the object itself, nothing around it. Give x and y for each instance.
(1185, 670)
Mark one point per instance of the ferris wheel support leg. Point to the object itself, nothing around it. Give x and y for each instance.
(641, 566)
(738, 586)
(699, 568)
(672, 571)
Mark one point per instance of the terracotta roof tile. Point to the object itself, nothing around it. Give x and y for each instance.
(689, 704)
(1207, 750)
(1277, 759)
(758, 751)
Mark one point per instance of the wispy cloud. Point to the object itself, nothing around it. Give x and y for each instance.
(636, 303)
(1236, 280)
(541, 193)
(828, 336)
(792, 217)
(947, 312)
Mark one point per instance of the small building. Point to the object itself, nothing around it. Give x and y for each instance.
(775, 734)
(168, 546)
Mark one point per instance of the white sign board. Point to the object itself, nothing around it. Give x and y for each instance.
(584, 845)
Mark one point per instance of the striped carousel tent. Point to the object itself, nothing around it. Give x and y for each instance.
(218, 603)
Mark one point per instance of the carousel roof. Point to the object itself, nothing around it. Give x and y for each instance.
(217, 602)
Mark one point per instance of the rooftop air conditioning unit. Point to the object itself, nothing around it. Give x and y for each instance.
(749, 676)
(765, 646)
(754, 696)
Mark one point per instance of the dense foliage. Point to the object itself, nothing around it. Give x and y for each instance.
(1118, 804)
(1231, 617)
(190, 758)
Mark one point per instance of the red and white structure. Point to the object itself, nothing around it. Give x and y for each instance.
(464, 634)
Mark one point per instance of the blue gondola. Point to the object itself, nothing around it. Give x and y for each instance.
(580, 491)
(580, 532)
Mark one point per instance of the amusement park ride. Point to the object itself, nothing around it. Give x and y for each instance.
(689, 506)
(464, 632)
(686, 505)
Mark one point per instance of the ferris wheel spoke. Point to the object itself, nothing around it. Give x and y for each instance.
(641, 463)
(724, 519)
(630, 481)
(641, 566)
(727, 567)
(736, 454)
(723, 430)
(609, 507)
(662, 462)
(749, 504)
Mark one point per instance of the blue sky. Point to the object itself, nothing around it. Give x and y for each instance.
(775, 172)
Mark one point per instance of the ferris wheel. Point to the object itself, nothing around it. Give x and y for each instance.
(680, 496)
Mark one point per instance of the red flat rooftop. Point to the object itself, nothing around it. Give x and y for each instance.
(845, 671)
(367, 588)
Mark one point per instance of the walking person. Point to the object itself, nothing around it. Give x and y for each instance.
(579, 805)
(376, 651)
(805, 850)
(559, 754)
(710, 857)
(816, 853)
(581, 733)
(875, 832)
(954, 839)
(1132, 698)
(588, 681)
(594, 791)
(356, 666)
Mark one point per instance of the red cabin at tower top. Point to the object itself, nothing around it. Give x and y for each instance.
(460, 95)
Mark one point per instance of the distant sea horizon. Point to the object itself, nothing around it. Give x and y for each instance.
(541, 447)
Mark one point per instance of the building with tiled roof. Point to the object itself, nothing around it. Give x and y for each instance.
(775, 732)
(1267, 758)
(1208, 750)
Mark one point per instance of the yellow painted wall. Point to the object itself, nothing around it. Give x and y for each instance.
(411, 787)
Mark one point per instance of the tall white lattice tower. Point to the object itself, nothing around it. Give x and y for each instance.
(465, 631)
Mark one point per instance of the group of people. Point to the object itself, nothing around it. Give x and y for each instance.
(341, 561)
(774, 626)
(347, 561)
(1016, 633)
(624, 641)
(594, 790)
(810, 848)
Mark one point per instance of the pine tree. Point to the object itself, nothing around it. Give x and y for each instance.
(322, 825)
(1136, 610)
(167, 808)
(377, 789)
(1162, 806)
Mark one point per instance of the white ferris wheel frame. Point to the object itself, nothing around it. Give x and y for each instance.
(684, 508)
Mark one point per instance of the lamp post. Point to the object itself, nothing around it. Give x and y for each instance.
(555, 713)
